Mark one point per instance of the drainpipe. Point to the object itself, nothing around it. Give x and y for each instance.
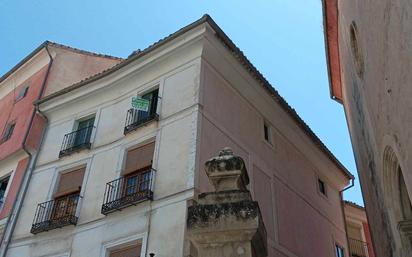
(17, 204)
(342, 206)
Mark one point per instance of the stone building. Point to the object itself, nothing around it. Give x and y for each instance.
(47, 69)
(368, 45)
(357, 228)
(124, 152)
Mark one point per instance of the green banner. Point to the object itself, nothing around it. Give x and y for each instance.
(140, 104)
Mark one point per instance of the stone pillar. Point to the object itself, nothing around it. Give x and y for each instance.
(226, 222)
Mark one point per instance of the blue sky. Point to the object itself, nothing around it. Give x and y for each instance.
(282, 38)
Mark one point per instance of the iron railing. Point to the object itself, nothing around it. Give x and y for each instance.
(127, 191)
(56, 213)
(76, 140)
(358, 248)
(136, 119)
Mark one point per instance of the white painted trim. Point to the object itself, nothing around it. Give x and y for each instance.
(125, 242)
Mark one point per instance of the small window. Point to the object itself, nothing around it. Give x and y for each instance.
(322, 187)
(8, 132)
(22, 93)
(267, 133)
(3, 186)
(339, 251)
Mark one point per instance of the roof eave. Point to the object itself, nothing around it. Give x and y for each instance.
(334, 76)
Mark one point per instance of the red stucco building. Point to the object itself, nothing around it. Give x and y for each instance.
(49, 68)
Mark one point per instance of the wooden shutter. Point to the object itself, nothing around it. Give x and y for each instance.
(139, 158)
(132, 251)
(70, 182)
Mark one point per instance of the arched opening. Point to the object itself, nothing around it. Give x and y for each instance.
(356, 50)
(397, 201)
(406, 206)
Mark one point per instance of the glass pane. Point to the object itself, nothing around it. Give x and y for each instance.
(84, 131)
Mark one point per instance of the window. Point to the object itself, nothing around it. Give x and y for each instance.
(322, 187)
(129, 251)
(84, 131)
(22, 93)
(339, 251)
(356, 50)
(3, 186)
(267, 133)
(152, 97)
(137, 171)
(8, 132)
(67, 194)
(136, 117)
(136, 183)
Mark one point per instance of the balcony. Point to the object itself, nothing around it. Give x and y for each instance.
(127, 191)
(56, 213)
(358, 248)
(76, 141)
(136, 119)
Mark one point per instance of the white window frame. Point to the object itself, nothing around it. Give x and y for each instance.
(125, 242)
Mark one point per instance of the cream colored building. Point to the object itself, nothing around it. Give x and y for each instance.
(112, 181)
(357, 227)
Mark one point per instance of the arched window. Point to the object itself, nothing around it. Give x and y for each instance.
(406, 206)
(356, 50)
(397, 201)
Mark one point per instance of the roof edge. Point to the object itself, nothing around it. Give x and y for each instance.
(57, 45)
(353, 204)
(331, 38)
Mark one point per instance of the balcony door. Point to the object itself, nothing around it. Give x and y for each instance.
(84, 131)
(152, 98)
(137, 170)
(67, 194)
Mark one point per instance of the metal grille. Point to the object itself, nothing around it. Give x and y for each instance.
(76, 140)
(358, 248)
(129, 190)
(136, 119)
(56, 213)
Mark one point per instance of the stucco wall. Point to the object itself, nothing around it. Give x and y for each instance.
(377, 103)
(299, 220)
(71, 66)
(19, 112)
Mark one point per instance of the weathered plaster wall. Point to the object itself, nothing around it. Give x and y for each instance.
(299, 221)
(377, 103)
(19, 112)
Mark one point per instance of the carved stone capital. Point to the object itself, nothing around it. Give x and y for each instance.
(227, 171)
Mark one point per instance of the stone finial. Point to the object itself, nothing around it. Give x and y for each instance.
(227, 171)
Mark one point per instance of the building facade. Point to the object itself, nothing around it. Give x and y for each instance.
(124, 154)
(357, 228)
(369, 59)
(48, 68)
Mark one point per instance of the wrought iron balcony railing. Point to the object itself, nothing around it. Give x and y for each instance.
(136, 119)
(76, 140)
(127, 191)
(56, 213)
(358, 248)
